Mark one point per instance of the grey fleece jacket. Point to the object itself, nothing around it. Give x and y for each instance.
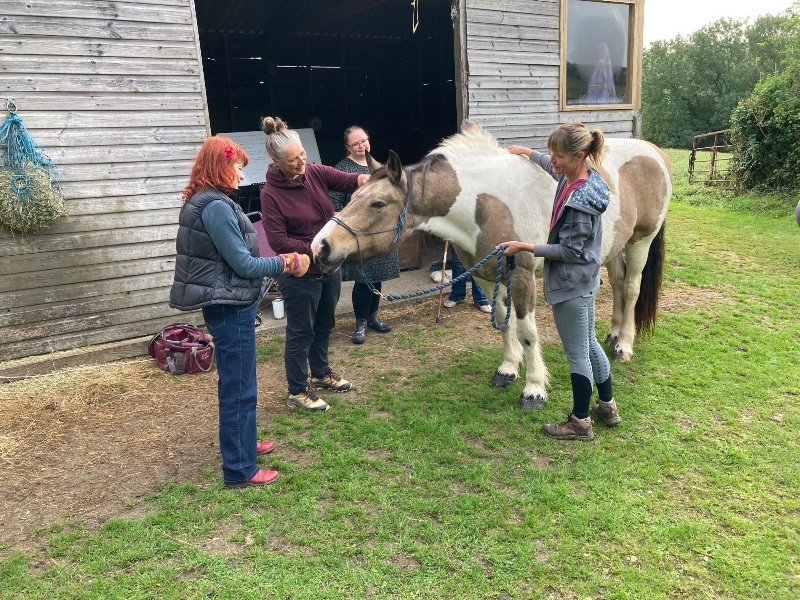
(573, 249)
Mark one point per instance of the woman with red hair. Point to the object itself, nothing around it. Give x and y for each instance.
(218, 270)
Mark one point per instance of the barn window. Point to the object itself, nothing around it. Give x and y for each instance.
(601, 45)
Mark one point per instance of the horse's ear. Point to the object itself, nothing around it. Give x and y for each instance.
(372, 164)
(394, 168)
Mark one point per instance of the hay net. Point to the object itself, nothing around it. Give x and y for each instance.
(30, 195)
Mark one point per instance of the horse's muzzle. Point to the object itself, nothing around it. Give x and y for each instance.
(322, 253)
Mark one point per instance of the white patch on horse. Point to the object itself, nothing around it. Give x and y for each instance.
(315, 246)
(515, 183)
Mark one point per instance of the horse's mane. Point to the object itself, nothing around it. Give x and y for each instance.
(474, 144)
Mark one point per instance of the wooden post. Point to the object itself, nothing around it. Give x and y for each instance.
(441, 291)
(461, 63)
(713, 160)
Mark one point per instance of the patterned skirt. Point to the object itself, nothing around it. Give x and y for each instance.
(382, 268)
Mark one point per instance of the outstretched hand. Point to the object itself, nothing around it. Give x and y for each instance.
(521, 150)
(295, 264)
(513, 247)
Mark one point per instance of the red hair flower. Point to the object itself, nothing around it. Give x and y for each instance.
(228, 152)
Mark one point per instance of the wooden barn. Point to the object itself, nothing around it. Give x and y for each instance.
(120, 93)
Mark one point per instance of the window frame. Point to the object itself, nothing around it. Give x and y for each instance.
(635, 50)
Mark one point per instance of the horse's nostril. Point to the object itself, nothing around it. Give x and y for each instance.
(323, 250)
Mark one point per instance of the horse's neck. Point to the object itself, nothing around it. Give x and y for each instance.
(433, 206)
(447, 206)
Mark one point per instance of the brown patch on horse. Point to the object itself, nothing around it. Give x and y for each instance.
(641, 180)
(496, 224)
(442, 178)
(665, 158)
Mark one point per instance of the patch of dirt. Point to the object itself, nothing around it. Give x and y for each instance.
(86, 445)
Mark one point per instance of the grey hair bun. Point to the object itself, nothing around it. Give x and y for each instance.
(270, 125)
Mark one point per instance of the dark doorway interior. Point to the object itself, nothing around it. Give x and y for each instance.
(328, 64)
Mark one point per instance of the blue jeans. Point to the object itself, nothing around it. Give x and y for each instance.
(310, 304)
(459, 289)
(234, 332)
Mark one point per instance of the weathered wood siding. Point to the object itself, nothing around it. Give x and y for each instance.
(513, 60)
(113, 92)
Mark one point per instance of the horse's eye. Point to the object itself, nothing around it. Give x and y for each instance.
(378, 204)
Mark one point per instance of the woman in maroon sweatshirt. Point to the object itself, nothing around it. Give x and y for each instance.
(295, 205)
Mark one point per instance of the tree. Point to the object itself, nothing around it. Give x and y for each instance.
(766, 124)
(691, 84)
(665, 94)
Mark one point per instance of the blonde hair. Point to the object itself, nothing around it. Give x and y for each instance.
(570, 138)
(278, 136)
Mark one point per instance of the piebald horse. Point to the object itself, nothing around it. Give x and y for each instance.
(476, 194)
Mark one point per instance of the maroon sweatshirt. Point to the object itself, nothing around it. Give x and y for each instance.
(294, 210)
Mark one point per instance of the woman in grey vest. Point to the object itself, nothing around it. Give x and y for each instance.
(218, 270)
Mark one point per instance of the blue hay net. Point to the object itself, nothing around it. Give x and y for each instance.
(19, 148)
(30, 195)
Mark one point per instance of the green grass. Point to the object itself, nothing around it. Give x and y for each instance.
(777, 205)
(441, 488)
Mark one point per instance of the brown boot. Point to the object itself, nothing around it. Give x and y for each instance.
(572, 428)
(607, 412)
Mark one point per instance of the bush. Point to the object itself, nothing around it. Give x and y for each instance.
(766, 133)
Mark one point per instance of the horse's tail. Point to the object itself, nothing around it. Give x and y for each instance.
(649, 290)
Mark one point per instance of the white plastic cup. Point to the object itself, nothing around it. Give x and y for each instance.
(277, 308)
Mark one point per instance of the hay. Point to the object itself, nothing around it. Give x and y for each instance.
(30, 199)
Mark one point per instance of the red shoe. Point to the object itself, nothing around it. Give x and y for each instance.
(264, 447)
(262, 477)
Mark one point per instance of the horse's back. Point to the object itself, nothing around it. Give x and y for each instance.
(637, 161)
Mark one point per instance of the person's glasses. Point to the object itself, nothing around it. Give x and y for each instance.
(363, 142)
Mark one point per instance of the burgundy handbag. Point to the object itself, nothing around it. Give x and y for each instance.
(182, 348)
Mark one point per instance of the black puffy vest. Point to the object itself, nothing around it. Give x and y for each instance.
(202, 277)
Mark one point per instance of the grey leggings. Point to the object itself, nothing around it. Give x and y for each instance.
(575, 323)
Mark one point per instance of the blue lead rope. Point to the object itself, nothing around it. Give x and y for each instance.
(510, 264)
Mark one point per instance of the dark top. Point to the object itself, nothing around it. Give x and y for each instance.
(294, 210)
(574, 244)
(217, 255)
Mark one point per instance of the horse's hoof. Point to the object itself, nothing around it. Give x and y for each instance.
(503, 379)
(529, 403)
(611, 340)
(621, 356)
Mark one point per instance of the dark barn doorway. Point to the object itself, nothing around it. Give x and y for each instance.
(326, 64)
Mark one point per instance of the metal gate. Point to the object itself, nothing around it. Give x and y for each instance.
(711, 160)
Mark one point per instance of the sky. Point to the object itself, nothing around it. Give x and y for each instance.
(664, 19)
